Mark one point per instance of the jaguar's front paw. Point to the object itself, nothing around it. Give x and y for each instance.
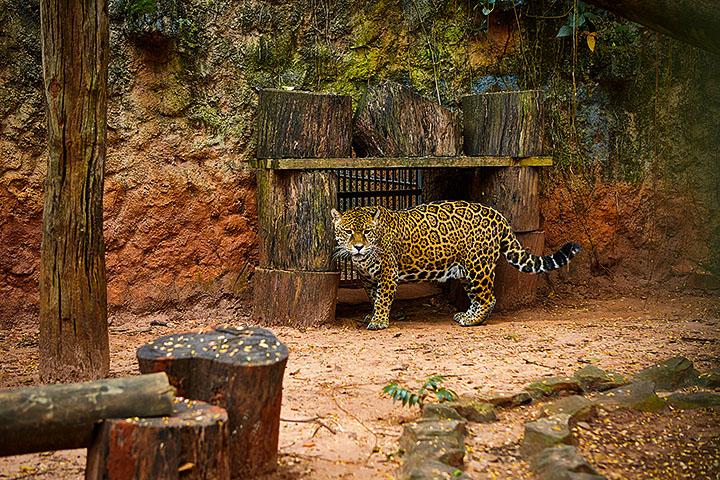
(367, 318)
(468, 321)
(376, 324)
(461, 318)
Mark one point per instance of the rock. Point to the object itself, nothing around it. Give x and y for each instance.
(638, 395)
(552, 386)
(592, 378)
(710, 379)
(579, 408)
(690, 401)
(475, 411)
(429, 429)
(562, 462)
(443, 449)
(441, 410)
(420, 469)
(510, 400)
(546, 432)
(671, 374)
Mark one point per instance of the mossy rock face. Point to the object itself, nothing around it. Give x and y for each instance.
(578, 407)
(671, 374)
(441, 410)
(549, 387)
(592, 378)
(418, 468)
(562, 463)
(429, 429)
(510, 400)
(638, 395)
(690, 401)
(546, 432)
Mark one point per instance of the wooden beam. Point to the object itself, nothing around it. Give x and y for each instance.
(399, 162)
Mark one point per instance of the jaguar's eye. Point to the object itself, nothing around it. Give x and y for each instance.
(348, 232)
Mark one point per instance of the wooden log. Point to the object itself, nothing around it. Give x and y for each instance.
(504, 123)
(513, 289)
(296, 227)
(59, 417)
(312, 304)
(191, 443)
(393, 121)
(239, 369)
(303, 125)
(513, 191)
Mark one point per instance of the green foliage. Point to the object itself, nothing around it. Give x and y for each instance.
(141, 7)
(432, 387)
(579, 19)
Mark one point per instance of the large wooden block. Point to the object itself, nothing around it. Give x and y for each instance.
(303, 125)
(512, 191)
(295, 298)
(504, 123)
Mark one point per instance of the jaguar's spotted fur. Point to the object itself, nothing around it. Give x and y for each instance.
(435, 241)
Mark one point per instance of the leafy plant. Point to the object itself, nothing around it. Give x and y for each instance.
(582, 21)
(432, 387)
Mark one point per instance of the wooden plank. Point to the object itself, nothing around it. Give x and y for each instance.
(400, 162)
(512, 191)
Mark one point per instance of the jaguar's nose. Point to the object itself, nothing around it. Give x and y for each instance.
(358, 247)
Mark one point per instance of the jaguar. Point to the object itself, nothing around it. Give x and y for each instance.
(434, 241)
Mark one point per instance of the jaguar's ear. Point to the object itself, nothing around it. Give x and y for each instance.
(335, 216)
(376, 217)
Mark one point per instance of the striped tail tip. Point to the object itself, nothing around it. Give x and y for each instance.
(566, 252)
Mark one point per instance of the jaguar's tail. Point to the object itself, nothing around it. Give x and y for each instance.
(525, 261)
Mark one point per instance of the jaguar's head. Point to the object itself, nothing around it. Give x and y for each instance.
(356, 231)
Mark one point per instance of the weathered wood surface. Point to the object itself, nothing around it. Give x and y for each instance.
(239, 369)
(304, 299)
(696, 22)
(513, 289)
(73, 294)
(59, 417)
(189, 444)
(512, 191)
(504, 123)
(296, 228)
(303, 125)
(394, 121)
(400, 162)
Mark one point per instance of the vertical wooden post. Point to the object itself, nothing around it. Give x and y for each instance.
(508, 124)
(73, 294)
(296, 281)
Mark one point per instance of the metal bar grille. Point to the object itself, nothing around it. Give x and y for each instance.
(393, 188)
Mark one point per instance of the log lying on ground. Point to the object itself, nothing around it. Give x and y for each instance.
(190, 444)
(239, 369)
(59, 417)
(504, 123)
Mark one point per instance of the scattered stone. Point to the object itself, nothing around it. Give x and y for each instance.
(671, 374)
(546, 432)
(510, 400)
(441, 410)
(421, 469)
(638, 395)
(690, 401)
(578, 407)
(475, 411)
(562, 463)
(710, 379)
(443, 449)
(592, 378)
(428, 429)
(552, 386)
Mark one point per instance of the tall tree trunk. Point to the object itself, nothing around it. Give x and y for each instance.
(696, 22)
(73, 291)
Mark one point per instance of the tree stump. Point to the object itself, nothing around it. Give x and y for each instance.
(395, 121)
(504, 123)
(191, 444)
(297, 233)
(239, 369)
(512, 191)
(60, 417)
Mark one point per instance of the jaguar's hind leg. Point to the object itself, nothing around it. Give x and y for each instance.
(482, 300)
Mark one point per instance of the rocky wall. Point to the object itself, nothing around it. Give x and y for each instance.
(634, 140)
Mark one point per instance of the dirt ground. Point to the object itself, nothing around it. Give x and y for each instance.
(336, 373)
